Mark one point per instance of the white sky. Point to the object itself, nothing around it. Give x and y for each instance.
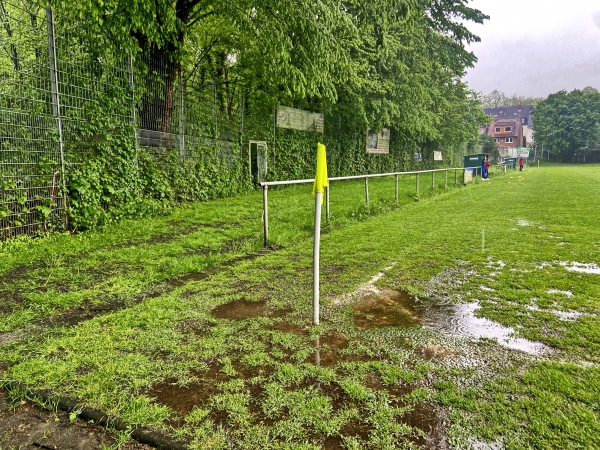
(536, 47)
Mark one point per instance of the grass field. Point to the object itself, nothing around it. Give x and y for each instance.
(185, 325)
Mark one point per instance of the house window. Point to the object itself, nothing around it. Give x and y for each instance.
(509, 140)
(496, 140)
(507, 129)
(497, 129)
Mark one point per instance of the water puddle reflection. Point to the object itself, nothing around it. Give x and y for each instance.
(581, 267)
(395, 308)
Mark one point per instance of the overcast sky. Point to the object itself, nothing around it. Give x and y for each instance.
(536, 47)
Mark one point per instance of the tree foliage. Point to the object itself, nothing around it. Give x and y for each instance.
(387, 62)
(496, 99)
(568, 121)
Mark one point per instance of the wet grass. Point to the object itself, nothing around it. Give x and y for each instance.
(230, 360)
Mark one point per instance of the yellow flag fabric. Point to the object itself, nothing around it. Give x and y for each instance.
(321, 180)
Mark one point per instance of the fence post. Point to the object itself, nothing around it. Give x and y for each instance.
(54, 82)
(214, 110)
(266, 215)
(455, 177)
(417, 184)
(445, 179)
(327, 203)
(367, 190)
(133, 109)
(396, 189)
(433, 181)
(181, 130)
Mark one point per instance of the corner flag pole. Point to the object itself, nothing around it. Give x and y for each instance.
(321, 181)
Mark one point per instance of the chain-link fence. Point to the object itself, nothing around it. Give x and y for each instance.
(53, 80)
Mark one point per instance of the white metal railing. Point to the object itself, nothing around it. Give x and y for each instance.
(265, 187)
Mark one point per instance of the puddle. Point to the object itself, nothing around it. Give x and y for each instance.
(390, 308)
(241, 309)
(567, 316)
(395, 308)
(432, 420)
(581, 267)
(556, 291)
(327, 346)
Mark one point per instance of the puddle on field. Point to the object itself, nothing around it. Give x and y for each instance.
(241, 309)
(581, 267)
(523, 223)
(390, 308)
(556, 291)
(432, 420)
(395, 308)
(567, 316)
(327, 347)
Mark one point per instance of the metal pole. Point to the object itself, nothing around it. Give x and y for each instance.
(214, 110)
(396, 190)
(367, 190)
(445, 179)
(54, 82)
(316, 257)
(266, 214)
(455, 178)
(133, 109)
(417, 184)
(181, 119)
(433, 181)
(327, 203)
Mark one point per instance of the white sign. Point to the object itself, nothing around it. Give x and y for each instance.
(378, 142)
(298, 119)
(468, 175)
(437, 156)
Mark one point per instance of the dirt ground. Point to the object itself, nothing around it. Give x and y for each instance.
(26, 427)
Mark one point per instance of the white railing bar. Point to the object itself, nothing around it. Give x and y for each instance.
(358, 177)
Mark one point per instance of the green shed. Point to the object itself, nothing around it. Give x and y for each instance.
(475, 162)
(511, 163)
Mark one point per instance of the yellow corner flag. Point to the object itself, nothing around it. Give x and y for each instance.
(321, 180)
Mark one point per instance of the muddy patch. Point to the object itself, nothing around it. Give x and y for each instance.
(396, 308)
(183, 399)
(25, 426)
(432, 421)
(241, 309)
(327, 348)
(389, 308)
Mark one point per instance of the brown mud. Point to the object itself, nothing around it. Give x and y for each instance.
(24, 426)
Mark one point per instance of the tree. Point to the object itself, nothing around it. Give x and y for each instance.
(496, 99)
(568, 121)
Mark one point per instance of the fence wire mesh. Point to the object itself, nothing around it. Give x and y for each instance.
(53, 78)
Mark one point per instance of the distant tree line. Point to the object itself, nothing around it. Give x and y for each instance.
(496, 99)
(568, 123)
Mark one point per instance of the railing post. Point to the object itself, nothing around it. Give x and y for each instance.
(367, 190)
(417, 184)
(445, 179)
(327, 203)
(54, 84)
(455, 177)
(266, 214)
(433, 181)
(396, 189)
